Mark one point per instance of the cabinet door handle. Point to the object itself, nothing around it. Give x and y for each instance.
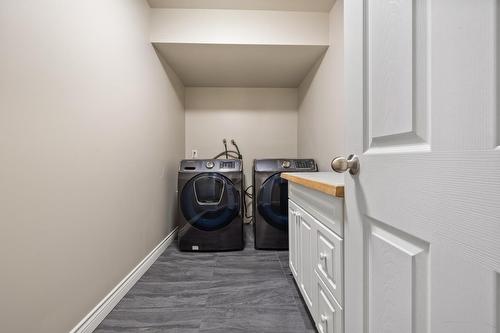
(323, 318)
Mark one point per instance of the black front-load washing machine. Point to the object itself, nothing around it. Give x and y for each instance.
(210, 205)
(270, 200)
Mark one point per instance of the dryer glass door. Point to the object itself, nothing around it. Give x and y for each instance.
(272, 201)
(209, 201)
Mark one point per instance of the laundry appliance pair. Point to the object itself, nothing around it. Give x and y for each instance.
(212, 205)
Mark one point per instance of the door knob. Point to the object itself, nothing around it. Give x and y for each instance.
(341, 164)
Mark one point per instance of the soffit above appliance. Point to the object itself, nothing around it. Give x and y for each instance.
(236, 65)
(284, 5)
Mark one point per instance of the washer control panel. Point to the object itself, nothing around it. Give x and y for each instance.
(210, 165)
(289, 165)
(227, 164)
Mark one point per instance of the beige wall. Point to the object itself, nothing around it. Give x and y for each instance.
(91, 130)
(321, 102)
(263, 121)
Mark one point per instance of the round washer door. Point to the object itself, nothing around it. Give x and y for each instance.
(209, 201)
(273, 201)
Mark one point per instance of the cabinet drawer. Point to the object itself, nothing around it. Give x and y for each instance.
(330, 317)
(329, 260)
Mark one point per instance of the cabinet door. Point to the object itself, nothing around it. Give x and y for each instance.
(306, 247)
(293, 239)
(329, 260)
(329, 313)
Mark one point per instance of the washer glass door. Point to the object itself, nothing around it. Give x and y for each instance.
(272, 201)
(209, 201)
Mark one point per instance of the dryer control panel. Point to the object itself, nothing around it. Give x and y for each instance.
(283, 164)
(305, 164)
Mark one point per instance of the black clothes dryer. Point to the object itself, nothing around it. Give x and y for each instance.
(210, 205)
(270, 200)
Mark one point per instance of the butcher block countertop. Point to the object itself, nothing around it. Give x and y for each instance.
(327, 182)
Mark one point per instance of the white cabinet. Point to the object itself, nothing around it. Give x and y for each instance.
(329, 260)
(293, 239)
(316, 254)
(329, 312)
(306, 275)
(300, 251)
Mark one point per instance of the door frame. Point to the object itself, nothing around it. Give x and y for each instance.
(355, 302)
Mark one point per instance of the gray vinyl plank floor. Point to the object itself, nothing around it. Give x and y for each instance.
(247, 291)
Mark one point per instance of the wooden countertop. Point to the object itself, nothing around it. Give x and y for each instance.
(327, 182)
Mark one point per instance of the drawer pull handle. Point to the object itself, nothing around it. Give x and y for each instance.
(324, 318)
(322, 255)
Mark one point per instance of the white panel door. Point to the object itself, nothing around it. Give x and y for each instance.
(422, 229)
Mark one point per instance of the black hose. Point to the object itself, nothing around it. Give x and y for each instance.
(229, 154)
(224, 142)
(250, 195)
(246, 212)
(237, 149)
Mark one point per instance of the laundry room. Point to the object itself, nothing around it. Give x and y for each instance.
(253, 166)
(273, 93)
(172, 81)
(250, 93)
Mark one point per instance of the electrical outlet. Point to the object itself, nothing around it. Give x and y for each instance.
(194, 153)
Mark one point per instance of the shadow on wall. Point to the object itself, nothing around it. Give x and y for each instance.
(171, 76)
(172, 169)
(242, 99)
(306, 83)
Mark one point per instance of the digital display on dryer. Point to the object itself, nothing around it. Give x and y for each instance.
(227, 165)
(304, 164)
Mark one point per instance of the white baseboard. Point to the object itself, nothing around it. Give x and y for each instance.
(101, 310)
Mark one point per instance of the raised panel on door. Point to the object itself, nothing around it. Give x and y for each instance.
(329, 261)
(398, 267)
(293, 238)
(422, 231)
(306, 265)
(329, 312)
(396, 110)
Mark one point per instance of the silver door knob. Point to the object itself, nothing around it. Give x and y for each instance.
(341, 164)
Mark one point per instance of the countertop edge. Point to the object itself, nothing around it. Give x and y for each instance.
(330, 189)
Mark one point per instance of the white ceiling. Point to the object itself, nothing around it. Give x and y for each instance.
(287, 5)
(232, 65)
